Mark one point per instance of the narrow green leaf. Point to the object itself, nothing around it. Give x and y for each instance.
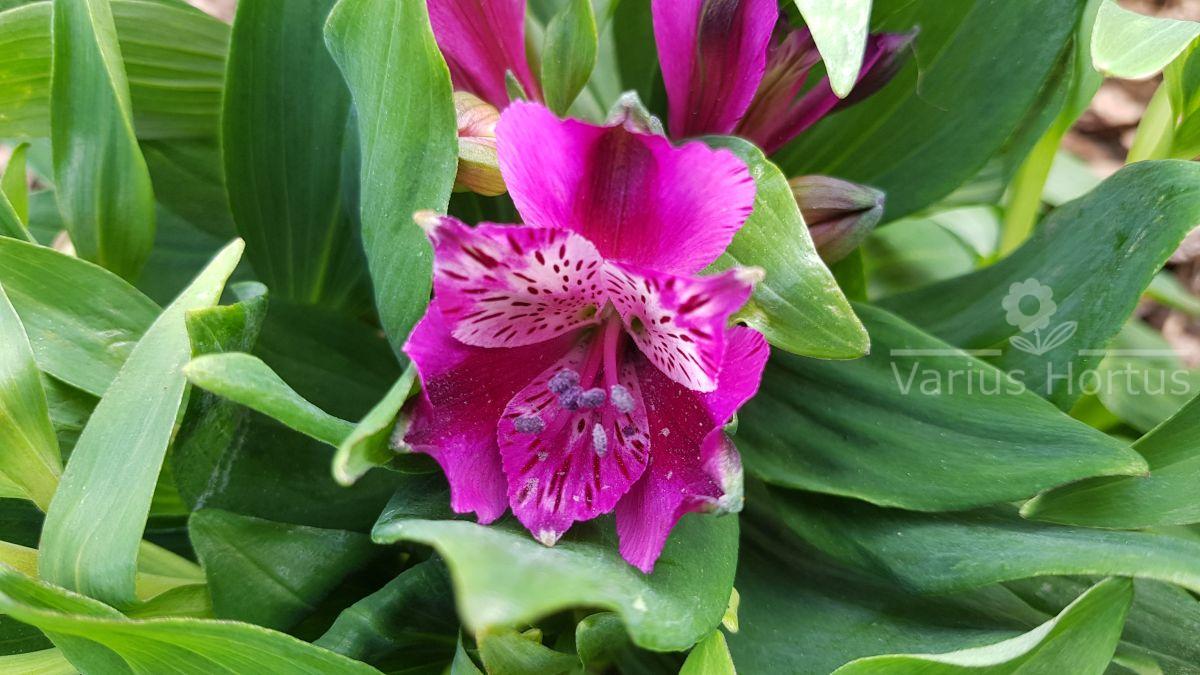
(503, 577)
(30, 459)
(1144, 380)
(1167, 290)
(1081, 640)
(798, 306)
(369, 444)
(79, 338)
(189, 182)
(115, 464)
(949, 552)
(43, 662)
(409, 139)
(102, 183)
(569, 54)
(947, 112)
(599, 639)
(283, 152)
(15, 183)
(709, 657)
(1167, 496)
(174, 58)
(268, 573)
(917, 424)
(96, 638)
(1132, 46)
(10, 222)
(1128, 227)
(245, 379)
(840, 32)
(506, 652)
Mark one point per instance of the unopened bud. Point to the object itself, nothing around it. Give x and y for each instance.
(839, 214)
(478, 165)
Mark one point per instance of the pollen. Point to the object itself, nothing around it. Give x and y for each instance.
(563, 381)
(621, 398)
(599, 440)
(592, 398)
(529, 424)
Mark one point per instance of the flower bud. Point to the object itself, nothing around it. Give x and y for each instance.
(478, 166)
(839, 214)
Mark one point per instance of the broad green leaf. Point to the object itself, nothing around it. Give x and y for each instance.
(30, 458)
(948, 552)
(96, 638)
(600, 638)
(174, 59)
(115, 464)
(245, 379)
(1143, 379)
(15, 183)
(369, 444)
(268, 573)
(43, 662)
(1127, 227)
(913, 252)
(409, 139)
(152, 581)
(977, 70)
(569, 54)
(80, 338)
(636, 53)
(503, 577)
(462, 663)
(1132, 46)
(917, 424)
(1080, 640)
(180, 252)
(1167, 496)
(283, 152)
(189, 182)
(709, 657)
(506, 652)
(798, 306)
(840, 31)
(414, 611)
(10, 222)
(102, 183)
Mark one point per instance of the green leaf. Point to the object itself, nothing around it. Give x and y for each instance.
(507, 652)
(369, 444)
(245, 379)
(1131, 46)
(1167, 496)
(80, 338)
(600, 639)
(1128, 227)
(569, 55)
(30, 460)
(1168, 291)
(709, 657)
(15, 184)
(409, 139)
(840, 32)
(116, 462)
(190, 183)
(948, 552)
(268, 573)
(917, 424)
(174, 59)
(1081, 640)
(96, 638)
(1143, 379)
(102, 183)
(413, 611)
(914, 252)
(283, 153)
(44, 662)
(798, 306)
(504, 578)
(977, 70)
(10, 222)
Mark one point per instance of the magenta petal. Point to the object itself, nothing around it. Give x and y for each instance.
(713, 53)
(481, 40)
(464, 391)
(566, 465)
(635, 196)
(507, 286)
(694, 466)
(680, 323)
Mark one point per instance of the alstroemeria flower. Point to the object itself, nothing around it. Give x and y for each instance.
(482, 40)
(725, 73)
(577, 365)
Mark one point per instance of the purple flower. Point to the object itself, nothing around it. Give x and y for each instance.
(482, 40)
(736, 67)
(577, 365)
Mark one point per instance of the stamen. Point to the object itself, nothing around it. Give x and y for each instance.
(592, 398)
(563, 381)
(529, 424)
(622, 400)
(599, 440)
(569, 399)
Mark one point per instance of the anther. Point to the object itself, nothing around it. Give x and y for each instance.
(569, 399)
(562, 381)
(599, 440)
(529, 424)
(592, 398)
(621, 398)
